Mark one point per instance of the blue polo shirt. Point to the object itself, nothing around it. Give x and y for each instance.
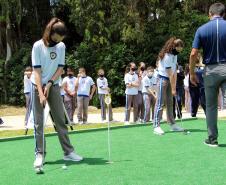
(212, 38)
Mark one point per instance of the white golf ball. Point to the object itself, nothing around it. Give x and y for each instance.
(188, 132)
(64, 167)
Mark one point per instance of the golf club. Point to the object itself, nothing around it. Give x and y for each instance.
(180, 115)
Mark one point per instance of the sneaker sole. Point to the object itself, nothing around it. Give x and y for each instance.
(210, 145)
(160, 134)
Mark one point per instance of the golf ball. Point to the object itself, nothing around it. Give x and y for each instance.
(188, 132)
(64, 167)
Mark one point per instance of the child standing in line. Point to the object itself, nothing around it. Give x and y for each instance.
(167, 84)
(27, 92)
(132, 84)
(70, 93)
(83, 85)
(141, 74)
(148, 94)
(61, 85)
(103, 89)
(187, 97)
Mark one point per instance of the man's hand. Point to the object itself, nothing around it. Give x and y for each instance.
(194, 79)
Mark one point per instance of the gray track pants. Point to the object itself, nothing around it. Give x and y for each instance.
(140, 105)
(83, 103)
(103, 108)
(131, 99)
(56, 106)
(28, 107)
(70, 105)
(164, 96)
(214, 78)
(149, 106)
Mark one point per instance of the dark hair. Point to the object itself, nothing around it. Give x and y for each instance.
(129, 66)
(170, 44)
(55, 25)
(217, 9)
(70, 68)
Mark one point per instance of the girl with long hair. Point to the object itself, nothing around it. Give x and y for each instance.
(166, 86)
(48, 59)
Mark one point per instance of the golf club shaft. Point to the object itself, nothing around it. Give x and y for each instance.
(178, 110)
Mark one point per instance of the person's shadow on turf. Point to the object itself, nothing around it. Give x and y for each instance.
(89, 161)
(190, 130)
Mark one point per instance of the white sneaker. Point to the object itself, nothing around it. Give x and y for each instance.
(126, 123)
(73, 157)
(39, 160)
(72, 123)
(141, 120)
(138, 122)
(114, 121)
(104, 121)
(158, 131)
(80, 122)
(176, 128)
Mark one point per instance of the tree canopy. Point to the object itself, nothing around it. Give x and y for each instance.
(102, 34)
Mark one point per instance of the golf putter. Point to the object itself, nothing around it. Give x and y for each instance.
(181, 121)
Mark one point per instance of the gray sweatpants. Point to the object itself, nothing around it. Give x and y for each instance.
(214, 78)
(83, 103)
(131, 99)
(164, 96)
(56, 106)
(28, 107)
(70, 105)
(103, 108)
(149, 106)
(140, 105)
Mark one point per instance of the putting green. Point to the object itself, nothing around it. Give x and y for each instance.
(140, 158)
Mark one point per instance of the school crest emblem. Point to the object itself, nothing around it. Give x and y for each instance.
(53, 55)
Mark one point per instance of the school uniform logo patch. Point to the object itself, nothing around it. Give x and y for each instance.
(53, 55)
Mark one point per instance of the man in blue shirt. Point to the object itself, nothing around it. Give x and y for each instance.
(211, 37)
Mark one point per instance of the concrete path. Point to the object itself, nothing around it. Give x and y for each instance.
(17, 122)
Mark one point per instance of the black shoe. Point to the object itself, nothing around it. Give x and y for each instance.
(1, 121)
(211, 142)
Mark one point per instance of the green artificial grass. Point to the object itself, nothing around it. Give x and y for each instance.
(140, 158)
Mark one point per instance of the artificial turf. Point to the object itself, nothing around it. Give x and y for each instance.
(140, 158)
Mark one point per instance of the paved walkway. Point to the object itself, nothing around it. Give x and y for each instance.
(17, 122)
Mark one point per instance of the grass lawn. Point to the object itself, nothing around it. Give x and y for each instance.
(140, 158)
